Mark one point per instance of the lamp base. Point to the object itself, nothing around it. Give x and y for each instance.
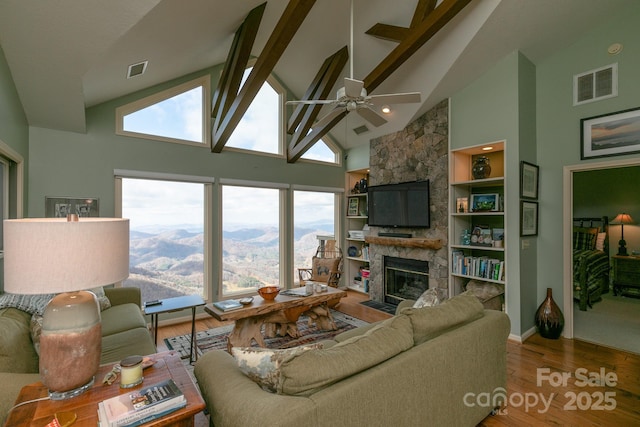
(622, 249)
(62, 395)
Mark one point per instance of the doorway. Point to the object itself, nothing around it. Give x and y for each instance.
(604, 194)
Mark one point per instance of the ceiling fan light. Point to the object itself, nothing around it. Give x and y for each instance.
(386, 109)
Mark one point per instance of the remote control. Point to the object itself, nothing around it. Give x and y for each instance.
(154, 302)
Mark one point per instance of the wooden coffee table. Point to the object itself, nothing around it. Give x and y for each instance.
(278, 316)
(168, 365)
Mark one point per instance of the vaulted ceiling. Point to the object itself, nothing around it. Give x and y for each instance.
(67, 55)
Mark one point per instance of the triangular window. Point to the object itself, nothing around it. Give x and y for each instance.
(176, 115)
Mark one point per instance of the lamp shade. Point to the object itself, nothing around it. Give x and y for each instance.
(51, 255)
(622, 218)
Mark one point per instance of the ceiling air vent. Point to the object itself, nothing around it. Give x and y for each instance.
(137, 69)
(361, 129)
(595, 85)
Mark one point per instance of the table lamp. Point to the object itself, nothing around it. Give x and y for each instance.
(52, 255)
(622, 219)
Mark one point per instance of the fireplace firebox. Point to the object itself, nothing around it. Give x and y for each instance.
(404, 279)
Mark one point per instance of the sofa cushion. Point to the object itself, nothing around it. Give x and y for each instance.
(116, 347)
(429, 298)
(305, 373)
(262, 365)
(16, 350)
(119, 318)
(102, 297)
(429, 322)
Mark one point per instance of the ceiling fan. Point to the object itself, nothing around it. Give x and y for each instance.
(353, 97)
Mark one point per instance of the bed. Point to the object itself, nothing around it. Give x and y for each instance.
(590, 260)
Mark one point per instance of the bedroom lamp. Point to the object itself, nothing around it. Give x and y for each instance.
(51, 255)
(622, 219)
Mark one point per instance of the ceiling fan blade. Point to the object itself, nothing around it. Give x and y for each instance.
(353, 88)
(311, 101)
(371, 116)
(394, 98)
(328, 117)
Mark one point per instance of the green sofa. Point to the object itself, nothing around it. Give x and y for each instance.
(423, 366)
(124, 332)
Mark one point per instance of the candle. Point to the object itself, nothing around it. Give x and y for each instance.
(130, 371)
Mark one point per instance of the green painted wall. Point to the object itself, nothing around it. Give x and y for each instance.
(14, 130)
(558, 124)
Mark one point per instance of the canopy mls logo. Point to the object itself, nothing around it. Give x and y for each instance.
(500, 401)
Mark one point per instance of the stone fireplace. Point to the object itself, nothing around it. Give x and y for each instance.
(404, 279)
(418, 152)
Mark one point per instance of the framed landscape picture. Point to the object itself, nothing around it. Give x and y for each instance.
(610, 134)
(485, 202)
(60, 207)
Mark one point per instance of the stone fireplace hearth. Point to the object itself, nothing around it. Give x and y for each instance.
(418, 152)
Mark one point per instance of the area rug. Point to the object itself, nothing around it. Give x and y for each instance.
(387, 308)
(216, 338)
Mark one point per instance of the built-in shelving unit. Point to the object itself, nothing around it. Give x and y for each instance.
(356, 249)
(483, 256)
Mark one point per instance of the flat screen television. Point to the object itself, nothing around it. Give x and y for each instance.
(399, 205)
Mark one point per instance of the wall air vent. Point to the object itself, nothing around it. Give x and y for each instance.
(361, 129)
(595, 85)
(137, 69)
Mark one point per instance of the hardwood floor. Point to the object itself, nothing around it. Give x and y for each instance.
(548, 403)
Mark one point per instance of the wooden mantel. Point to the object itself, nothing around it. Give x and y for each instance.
(405, 242)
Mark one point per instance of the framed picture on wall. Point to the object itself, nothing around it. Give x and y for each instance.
(60, 207)
(612, 134)
(528, 180)
(528, 218)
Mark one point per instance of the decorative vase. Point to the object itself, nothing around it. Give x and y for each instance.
(363, 185)
(481, 168)
(549, 318)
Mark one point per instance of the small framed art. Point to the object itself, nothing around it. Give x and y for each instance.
(528, 180)
(353, 206)
(528, 218)
(60, 207)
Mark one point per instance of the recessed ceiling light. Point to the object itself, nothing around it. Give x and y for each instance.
(386, 109)
(137, 69)
(488, 148)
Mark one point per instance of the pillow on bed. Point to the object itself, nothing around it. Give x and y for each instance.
(600, 241)
(584, 238)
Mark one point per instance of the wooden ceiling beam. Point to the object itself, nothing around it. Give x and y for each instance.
(415, 39)
(311, 138)
(423, 9)
(235, 64)
(289, 23)
(319, 88)
(396, 33)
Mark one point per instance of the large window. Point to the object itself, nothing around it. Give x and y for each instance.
(250, 238)
(314, 216)
(167, 235)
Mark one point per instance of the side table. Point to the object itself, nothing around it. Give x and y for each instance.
(169, 305)
(626, 275)
(167, 365)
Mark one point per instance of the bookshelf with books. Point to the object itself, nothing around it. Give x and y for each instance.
(357, 251)
(477, 216)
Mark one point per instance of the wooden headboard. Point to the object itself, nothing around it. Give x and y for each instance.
(602, 223)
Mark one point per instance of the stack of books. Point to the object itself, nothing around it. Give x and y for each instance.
(141, 406)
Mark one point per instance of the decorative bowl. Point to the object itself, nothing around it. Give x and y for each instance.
(269, 293)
